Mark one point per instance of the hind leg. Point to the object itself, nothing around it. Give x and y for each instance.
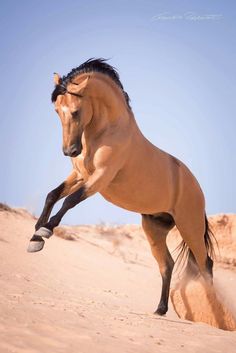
(193, 229)
(156, 228)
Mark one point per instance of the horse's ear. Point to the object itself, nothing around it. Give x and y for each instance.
(78, 88)
(57, 79)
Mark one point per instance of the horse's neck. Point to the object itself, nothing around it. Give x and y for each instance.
(106, 117)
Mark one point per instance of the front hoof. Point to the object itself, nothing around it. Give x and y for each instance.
(44, 232)
(35, 244)
(161, 310)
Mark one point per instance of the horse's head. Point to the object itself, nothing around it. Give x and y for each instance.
(74, 110)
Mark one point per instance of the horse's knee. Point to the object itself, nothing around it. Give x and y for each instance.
(53, 196)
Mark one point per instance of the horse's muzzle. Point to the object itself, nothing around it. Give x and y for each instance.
(73, 150)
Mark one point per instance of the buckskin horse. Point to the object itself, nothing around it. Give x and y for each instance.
(111, 156)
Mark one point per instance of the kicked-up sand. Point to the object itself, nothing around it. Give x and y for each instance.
(198, 301)
(95, 293)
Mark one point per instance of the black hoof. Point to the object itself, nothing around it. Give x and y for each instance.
(161, 310)
(36, 244)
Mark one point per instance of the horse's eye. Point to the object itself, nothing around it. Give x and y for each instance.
(76, 114)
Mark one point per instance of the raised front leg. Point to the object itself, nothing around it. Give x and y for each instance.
(70, 202)
(96, 182)
(70, 185)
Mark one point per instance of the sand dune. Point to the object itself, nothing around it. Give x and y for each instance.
(96, 293)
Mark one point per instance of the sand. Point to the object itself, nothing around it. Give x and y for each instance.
(94, 293)
(199, 301)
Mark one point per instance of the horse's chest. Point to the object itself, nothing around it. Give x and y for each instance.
(84, 166)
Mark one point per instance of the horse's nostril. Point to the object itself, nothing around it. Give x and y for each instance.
(71, 151)
(74, 153)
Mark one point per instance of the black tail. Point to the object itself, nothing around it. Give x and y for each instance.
(186, 255)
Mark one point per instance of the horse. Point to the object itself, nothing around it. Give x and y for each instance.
(111, 156)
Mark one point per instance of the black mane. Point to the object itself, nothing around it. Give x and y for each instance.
(91, 65)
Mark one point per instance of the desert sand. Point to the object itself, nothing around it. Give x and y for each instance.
(96, 289)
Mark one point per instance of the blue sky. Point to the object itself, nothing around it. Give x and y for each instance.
(176, 60)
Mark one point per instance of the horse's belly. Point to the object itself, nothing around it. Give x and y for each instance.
(136, 206)
(141, 199)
